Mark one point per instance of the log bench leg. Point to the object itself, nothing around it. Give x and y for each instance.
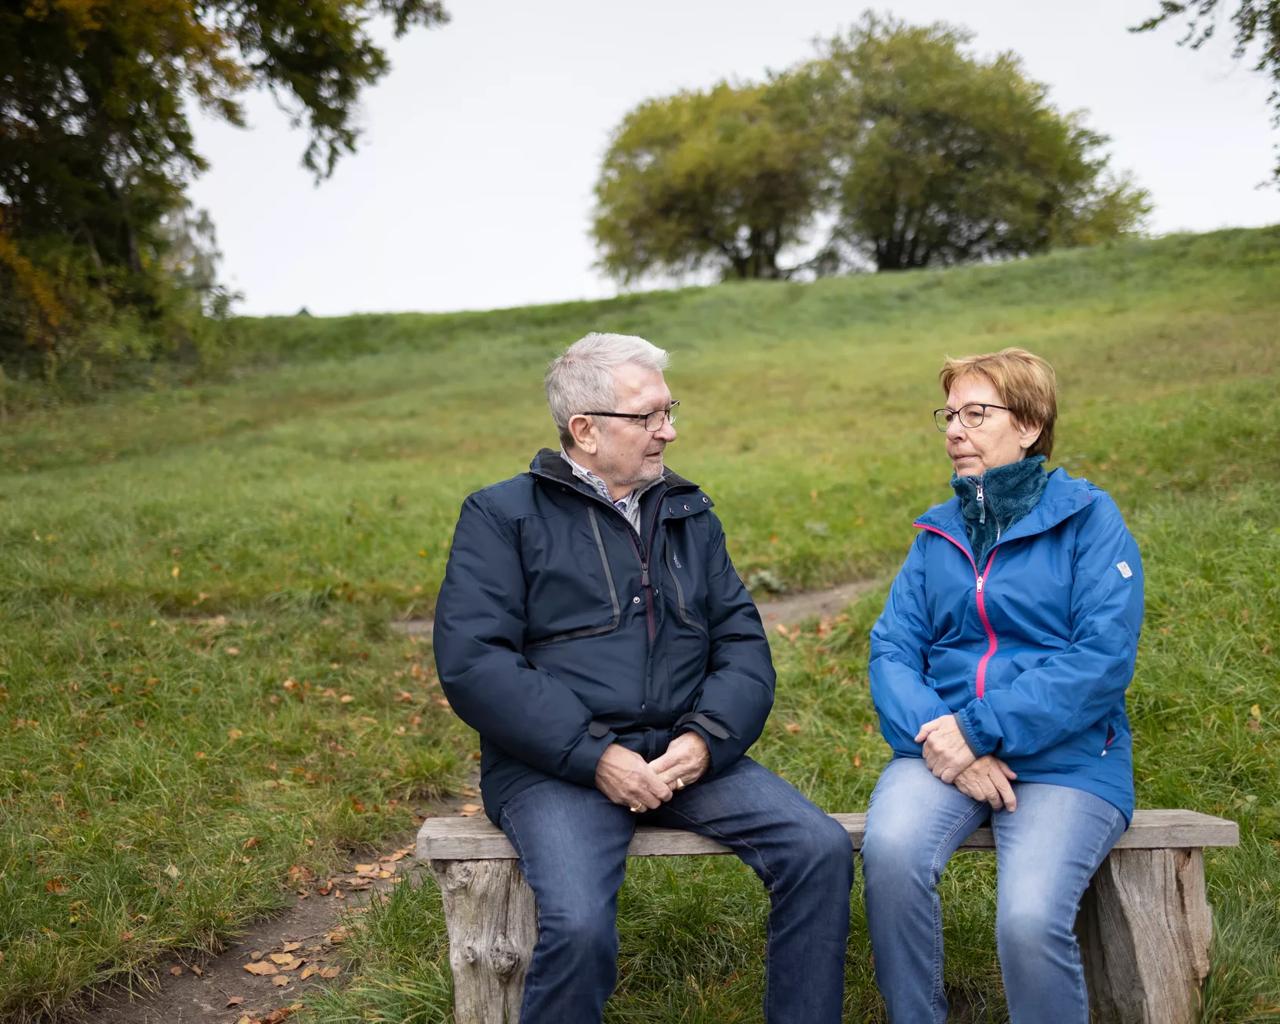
(1144, 929)
(492, 923)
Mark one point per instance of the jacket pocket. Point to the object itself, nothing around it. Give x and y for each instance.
(556, 594)
(684, 610)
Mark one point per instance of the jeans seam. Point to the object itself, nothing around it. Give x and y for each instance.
(510, 830)
(1075, 942)
(935, 869)
(768, 938)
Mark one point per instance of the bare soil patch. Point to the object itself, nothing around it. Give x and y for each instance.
(294, 949)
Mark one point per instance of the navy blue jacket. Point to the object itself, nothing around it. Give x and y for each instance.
(559, 630)
(1032, 651)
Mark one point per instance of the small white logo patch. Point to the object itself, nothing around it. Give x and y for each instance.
(1125, 571)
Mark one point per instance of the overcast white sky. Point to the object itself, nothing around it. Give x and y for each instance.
(472, 187)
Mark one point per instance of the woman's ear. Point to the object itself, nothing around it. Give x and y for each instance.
(1028, 435)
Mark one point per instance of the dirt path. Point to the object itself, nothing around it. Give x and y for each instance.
(787, 611)
(295, 949)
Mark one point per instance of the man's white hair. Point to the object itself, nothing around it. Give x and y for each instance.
(582, 378)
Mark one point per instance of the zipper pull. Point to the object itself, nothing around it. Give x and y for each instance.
(979, 584)
(644, 575)
(982, 507)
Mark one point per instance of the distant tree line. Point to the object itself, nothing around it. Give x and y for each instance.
(893, 148)
(101, 256)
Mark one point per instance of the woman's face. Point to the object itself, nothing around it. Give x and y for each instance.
(1000, 439)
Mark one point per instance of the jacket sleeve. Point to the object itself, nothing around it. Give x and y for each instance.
(1075, 688)
(737, 693)
(478, 640)
(899, 639)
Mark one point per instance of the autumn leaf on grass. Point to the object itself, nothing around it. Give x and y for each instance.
(289, 947)
(366, 869)
(339, 934)
(279, 981)
(309, 970)
(286, 961)
(469, 810)
(262, 968)
(234, 1001)
(330, 972)
(792, 727)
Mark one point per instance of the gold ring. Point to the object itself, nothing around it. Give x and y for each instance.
(679, 782)
(636, 808)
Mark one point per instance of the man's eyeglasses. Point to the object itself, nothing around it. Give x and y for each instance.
(970, 415)
(652, 420)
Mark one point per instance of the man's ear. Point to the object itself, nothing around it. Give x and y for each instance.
(583, 430)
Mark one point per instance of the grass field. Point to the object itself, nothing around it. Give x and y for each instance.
(199, 688)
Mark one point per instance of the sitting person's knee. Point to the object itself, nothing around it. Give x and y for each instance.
(580, 928)
(1028, 923)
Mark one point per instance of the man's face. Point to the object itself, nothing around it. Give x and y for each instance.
(626, 454)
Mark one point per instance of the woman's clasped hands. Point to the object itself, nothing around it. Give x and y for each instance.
(950, 758)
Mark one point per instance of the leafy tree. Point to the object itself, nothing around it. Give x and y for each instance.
(1255, 21)
(918, 153)
(938, 158)
(725, 179)
(96, 145)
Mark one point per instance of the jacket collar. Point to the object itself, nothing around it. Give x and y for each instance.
(550, 466)
(1063, 497)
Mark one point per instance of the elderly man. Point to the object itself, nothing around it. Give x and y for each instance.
(592, 629)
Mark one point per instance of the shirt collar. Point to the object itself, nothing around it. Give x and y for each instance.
(624, 504)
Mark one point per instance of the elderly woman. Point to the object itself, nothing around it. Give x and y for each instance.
(999, 669)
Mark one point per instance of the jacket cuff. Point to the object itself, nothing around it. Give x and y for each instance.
(978, 725)
(720, 742)
(585, 756)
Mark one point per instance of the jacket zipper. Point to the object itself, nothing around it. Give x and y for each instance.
(993, 643)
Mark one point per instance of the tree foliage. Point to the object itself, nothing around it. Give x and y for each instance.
(96, 143)
(938, 157)
(722, 179)
(1255, 22)
(893, 147)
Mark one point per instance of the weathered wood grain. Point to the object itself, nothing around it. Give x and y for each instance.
(1145, 927)
(492, 923)
(476, 838)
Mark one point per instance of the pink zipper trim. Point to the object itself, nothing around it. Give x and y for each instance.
(993, 643)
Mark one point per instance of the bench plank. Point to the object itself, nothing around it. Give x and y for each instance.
(477, 839)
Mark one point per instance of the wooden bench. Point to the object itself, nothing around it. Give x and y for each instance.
(1144, 924)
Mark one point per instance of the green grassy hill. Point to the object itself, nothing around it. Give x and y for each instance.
(199, 689)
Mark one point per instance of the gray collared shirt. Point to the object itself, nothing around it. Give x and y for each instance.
(628, 504)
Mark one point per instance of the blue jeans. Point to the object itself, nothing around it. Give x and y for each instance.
(1046, 852)
(572, 844)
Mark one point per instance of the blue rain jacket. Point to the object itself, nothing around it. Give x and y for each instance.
(560, 630)
(1032, 651)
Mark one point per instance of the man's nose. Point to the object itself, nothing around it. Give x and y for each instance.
(667, 432)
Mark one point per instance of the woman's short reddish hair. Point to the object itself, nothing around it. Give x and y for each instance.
(1025, 383)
